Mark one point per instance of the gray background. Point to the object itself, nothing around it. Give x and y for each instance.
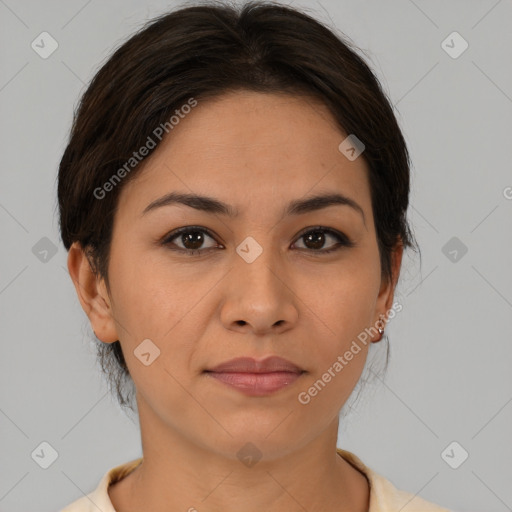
(449, 377)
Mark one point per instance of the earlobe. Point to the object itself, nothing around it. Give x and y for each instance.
(92, 294)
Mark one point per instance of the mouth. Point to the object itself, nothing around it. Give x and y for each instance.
(256, 378)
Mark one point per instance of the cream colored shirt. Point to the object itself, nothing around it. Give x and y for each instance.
(384, 496)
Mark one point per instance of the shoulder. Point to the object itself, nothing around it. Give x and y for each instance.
(99, 498)
(384, 496)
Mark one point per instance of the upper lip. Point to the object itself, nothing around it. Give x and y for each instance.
(250, 365)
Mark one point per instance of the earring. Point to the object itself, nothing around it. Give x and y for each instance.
(381, 330)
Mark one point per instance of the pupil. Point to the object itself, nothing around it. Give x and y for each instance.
(315, 238)
(189, 237)
(318, 241)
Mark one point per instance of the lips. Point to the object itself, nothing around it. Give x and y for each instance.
(250, 365)
(256, 378)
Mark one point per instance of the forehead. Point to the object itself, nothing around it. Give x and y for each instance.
(250, 148)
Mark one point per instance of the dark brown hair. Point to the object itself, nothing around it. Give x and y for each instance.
(203, 51)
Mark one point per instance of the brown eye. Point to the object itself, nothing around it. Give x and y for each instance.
(315, 238)
(191, 238)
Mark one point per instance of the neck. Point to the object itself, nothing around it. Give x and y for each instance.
(177, 474)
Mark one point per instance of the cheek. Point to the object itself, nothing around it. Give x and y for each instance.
(152, 307)
(337, 359)
(345, 303)
(153, 301)
(342, 311)
(143, 288)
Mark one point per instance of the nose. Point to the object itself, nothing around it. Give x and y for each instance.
(259, 297)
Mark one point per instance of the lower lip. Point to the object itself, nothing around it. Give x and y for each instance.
(256, 384)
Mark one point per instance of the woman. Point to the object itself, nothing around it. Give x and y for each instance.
(233, 198)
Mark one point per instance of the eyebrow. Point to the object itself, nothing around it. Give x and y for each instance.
(212, 205)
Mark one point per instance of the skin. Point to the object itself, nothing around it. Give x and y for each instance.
(255, 152)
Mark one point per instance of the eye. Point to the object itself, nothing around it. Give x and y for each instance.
(316, 238)
(191, 237)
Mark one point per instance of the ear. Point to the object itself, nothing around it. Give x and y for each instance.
(387, 289)
(92, 294)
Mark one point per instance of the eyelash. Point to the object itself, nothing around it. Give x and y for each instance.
(343, 240)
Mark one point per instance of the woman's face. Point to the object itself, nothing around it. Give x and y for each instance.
(261, 285)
